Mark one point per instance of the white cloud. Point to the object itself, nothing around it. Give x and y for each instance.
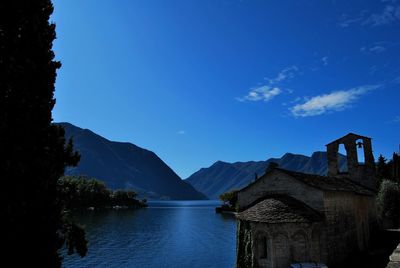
(287, 73)
(265, 93)
(271, 88)
(345, 21)
(376, 49)
(324, 61)
(389, 14)
(181, 132)
(334, 101)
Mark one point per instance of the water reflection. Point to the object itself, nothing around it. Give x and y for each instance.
(166, 234)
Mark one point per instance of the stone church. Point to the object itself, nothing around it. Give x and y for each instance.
(290, 217)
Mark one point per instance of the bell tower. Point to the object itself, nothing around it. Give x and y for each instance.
(362, 173)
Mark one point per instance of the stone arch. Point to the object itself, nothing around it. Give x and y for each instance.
(299, 242)
(281, 250)
(360, 152)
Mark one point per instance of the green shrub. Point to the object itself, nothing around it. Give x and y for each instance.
(388, 200)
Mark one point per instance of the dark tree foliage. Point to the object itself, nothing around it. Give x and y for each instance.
(83, 192)
(33, 152)
(388, 169)
(388, 200)
(396, 166)
(80, 192)
(382, 169)
(125, 198)
(229, 197)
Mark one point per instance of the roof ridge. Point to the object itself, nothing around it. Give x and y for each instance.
(329, 181)
(281, 209)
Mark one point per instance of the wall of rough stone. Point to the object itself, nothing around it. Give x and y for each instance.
(278, 182)
(348, 221)
(286, 243)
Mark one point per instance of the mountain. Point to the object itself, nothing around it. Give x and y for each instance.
(222, 177)
(123, 165)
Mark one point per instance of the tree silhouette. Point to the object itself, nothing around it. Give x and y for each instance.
(34, 152)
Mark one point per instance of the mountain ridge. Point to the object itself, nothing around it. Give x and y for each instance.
(124, 165)
(222, 176)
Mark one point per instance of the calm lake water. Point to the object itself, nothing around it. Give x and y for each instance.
(166, 234)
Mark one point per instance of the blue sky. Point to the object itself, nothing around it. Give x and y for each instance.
(201, 81)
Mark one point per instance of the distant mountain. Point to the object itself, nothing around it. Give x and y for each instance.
(222, 177)
(123, 165)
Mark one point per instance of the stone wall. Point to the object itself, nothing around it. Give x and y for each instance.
(277, 182)
(348, 220)
(285, 243)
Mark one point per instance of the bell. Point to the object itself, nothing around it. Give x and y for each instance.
(359, 144)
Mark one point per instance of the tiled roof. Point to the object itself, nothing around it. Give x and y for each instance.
(280, 209)
(321, 182)
(328, 183)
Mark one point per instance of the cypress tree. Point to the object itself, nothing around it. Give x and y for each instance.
(34, 152)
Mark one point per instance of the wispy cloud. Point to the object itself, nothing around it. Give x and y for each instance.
(181, 132)
(265, 93)
(396, 119)
(389, 14)
(375, 49)
(271, 87)
(324, 61)
(346, 21)
(287, 73)
(334, 101)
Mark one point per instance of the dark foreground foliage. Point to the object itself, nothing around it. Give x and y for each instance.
(388, 201)
(388, 198)
(34, 152)
(388, 169)
(82, 192)
(382, 245)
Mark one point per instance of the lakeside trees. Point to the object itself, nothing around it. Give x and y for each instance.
(230, 200)
(34, 152)
(80, 192)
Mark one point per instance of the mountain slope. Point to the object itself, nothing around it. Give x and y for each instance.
(222, 177)
(123, 165)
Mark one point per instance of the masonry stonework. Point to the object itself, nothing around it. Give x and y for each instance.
(290, 217)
